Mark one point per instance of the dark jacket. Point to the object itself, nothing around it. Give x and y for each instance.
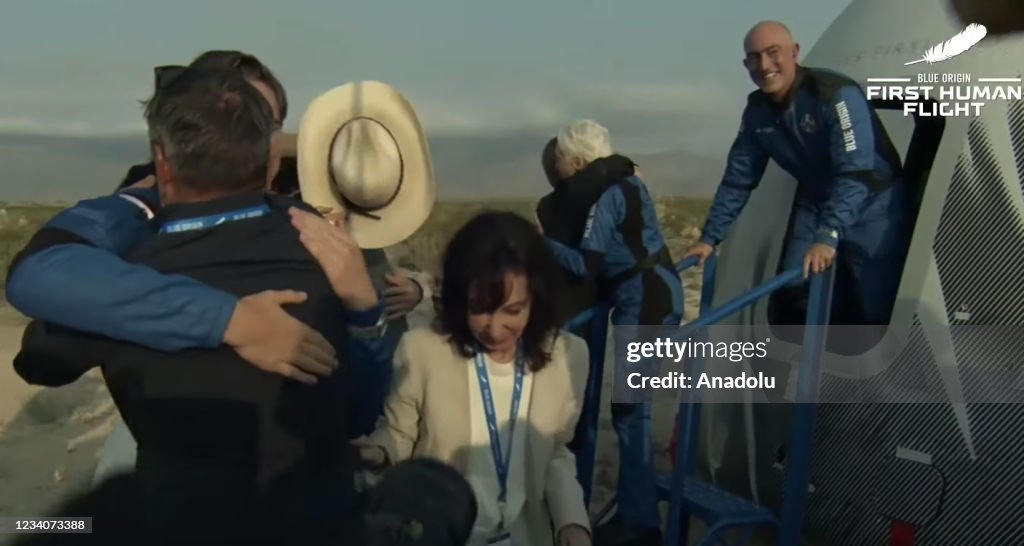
(563, 214)
(607, 237)
(258, 457)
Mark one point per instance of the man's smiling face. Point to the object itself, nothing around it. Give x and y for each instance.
(771, 58)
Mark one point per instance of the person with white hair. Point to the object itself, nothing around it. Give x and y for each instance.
(601, 223)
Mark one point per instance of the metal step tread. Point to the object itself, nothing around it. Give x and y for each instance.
(716, 506)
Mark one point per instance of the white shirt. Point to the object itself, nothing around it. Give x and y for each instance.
(482, 473)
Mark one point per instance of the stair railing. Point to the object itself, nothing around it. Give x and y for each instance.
(801, 443)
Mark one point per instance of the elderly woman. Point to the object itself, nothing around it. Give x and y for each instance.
(495, 388)
(616, 238)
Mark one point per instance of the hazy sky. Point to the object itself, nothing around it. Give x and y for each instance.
(662, 74)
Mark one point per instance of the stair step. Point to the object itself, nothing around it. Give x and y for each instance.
(714, 505)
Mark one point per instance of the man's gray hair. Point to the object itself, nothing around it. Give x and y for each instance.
(585, 139)
(214, 128)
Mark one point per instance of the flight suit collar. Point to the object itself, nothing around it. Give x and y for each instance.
(799, 79)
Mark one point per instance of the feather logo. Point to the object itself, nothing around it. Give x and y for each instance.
(954, 46)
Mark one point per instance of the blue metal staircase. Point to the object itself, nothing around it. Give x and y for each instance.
(687, 495)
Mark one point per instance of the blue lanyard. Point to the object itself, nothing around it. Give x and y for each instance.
(501, 460)
(204, 222)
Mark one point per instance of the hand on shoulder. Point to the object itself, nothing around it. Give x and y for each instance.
(339, 256)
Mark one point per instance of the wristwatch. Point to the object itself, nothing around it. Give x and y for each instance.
(370, 332)
(827, 235)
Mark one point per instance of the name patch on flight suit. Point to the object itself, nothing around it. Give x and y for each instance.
(849, 139)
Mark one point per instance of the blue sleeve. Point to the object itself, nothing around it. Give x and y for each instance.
(85, 288)
(110, 223)
(370, 371)
(598, 234)
(743, 171)
(569, 258)
(91, 289)
(852, 147)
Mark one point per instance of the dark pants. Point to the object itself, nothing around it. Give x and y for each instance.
(869, 259)
(658, 315)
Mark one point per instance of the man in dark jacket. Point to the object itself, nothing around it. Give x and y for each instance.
(818, 126)
(71, 273)
(562, 215)
(227, 452)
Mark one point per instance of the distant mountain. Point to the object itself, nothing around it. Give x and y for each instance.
(44, 168)
(55, 168)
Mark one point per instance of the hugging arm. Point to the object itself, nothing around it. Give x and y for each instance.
(371, 368)
(604, 219)
(52, 356)
(70, 274)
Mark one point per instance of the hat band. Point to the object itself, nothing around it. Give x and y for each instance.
(368, 212)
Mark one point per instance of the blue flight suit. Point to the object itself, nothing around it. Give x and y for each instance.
(71, 275)
(850, 191)
(623, 246)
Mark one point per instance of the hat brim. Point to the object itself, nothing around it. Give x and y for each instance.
(320, 124)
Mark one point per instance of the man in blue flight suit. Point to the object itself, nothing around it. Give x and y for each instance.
(72, 273)
(214, 433)
(609, 231)
(817, 125)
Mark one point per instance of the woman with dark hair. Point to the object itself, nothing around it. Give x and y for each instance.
(495, 259)
(494, 388)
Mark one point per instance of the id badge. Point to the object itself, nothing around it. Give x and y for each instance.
(503, 538)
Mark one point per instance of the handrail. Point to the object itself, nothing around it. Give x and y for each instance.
(588, 314)
(686, 263)
(798, 464)
(744, 300)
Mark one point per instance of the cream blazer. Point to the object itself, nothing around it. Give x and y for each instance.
(427, 415)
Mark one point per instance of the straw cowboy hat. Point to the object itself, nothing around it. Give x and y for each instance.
(361, 150)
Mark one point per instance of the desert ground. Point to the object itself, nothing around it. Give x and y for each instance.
(50, 439)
